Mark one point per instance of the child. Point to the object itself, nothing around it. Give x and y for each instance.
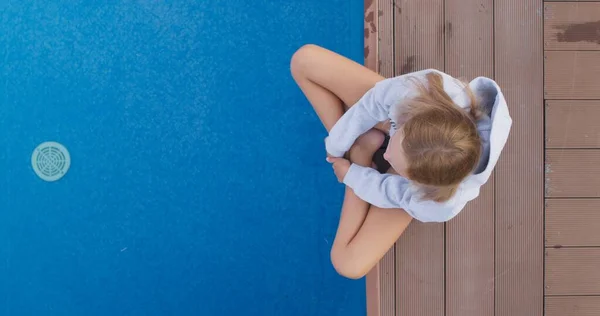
(445, 138)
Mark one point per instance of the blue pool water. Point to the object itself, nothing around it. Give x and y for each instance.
(198, 183)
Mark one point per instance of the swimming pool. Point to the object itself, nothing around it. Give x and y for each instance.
(197, 185)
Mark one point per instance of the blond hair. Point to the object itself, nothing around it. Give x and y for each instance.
(441, 142)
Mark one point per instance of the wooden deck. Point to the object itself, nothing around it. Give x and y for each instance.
(530, 244)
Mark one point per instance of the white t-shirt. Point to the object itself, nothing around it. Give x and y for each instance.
(393, 191)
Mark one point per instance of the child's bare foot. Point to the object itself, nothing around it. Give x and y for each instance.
(365, 146)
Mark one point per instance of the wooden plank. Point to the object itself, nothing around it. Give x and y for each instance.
(470, 236)
(571, 0)
(386, 38)
(371, 56)
(573, 306)
(573, 271)
(572, 124)
(373, 291)
(370, 25)
(387, 281)
(572, 26)
(573, 222)
(419, 33)
(420, 270)
(573, 173)
(387, 278)
(419, 44)
(572, 75)
(519, 173)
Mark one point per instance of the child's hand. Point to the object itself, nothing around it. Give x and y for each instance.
(340, 167)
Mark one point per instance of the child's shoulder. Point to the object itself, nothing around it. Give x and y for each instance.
(422, 73)
(407, 85)
(421, 77)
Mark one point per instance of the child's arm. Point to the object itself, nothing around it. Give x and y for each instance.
(394, 191)
(371, 109)
(382, 190)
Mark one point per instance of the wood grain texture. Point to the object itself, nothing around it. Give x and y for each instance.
(572, 26)
(572, 124)
(419, 44)
(387, 280)
(386, 69)
(573, 173)
(572, 271)
(386, 38)
(519, 173)
(470, 236)
(419, 29)
(370, 28)
(371, 61)
(420, 270)
(572, 75)
(373, 291)
(572, 222)
(571, 0)
(573, 306)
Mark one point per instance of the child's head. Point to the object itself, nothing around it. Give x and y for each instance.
(437, 145)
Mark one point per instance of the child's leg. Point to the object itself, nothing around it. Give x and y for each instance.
(365, 232)
(329, 81)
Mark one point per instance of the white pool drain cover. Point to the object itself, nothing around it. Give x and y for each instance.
(50, 161)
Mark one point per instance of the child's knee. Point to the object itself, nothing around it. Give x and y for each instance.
(344, 266)
(371, 140)
(301, 58)
(366, 145)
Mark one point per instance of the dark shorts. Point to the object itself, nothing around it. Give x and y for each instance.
(382, 164)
